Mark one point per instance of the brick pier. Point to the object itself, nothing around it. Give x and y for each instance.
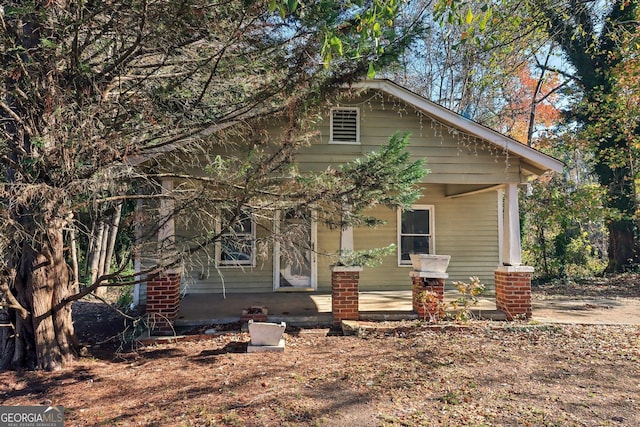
(513, 291)
(428, 294)
(163, 302)
(344, 293)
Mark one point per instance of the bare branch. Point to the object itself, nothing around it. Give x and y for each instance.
(16, 117)
(13, 302)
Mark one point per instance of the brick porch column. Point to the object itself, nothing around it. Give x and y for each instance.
(344, 293)
(513, 291)
(426, 282)
(163, 302)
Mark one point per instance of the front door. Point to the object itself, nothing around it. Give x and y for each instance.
(294, 253)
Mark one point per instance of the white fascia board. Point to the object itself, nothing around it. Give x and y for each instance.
(440, 113)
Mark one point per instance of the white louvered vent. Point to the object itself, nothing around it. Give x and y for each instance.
(345, 126)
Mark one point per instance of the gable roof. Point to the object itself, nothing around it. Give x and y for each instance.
(533, 161)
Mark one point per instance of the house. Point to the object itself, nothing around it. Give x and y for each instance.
(469, 210)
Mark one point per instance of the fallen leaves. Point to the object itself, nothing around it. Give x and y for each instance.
(484, 374)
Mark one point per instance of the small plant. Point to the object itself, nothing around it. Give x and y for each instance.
(125, 297)
(467, 299)
(451, 398)
(365, 257)
(433, 308)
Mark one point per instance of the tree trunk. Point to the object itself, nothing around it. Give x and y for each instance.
(94, 259)
(620, 185)
(45, 337)
(102, 254)
(113, 235)
(621, 248)
(74, 258)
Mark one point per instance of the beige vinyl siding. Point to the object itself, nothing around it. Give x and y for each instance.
(451, 157)
(328, 244)
(465, 228)
(201, 275)
(232, 280)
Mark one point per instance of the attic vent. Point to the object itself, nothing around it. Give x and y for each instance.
(345, 125)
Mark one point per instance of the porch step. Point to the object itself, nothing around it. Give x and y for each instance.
(320, 319)
(327, 318)
(388, 315)
(489, 314)
(315, 320)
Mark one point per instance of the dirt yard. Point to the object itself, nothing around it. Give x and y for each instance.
(396, 374)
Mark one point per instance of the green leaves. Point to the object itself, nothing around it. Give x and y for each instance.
(48, 43)
(482, 24)
(371, 73)
(469, 18)
(362, 32)
(385, 177)
(336, 45)
(365, 257)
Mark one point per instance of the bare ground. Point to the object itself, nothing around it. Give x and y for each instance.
(393, 374)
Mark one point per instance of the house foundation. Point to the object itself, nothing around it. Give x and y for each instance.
(344, 293)
(163, 302)
(428, 294)
(513, 291)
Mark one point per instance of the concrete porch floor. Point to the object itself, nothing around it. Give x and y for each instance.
(302, 308)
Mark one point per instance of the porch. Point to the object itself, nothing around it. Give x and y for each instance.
(307, 308)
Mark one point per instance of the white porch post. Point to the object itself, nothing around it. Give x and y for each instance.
(512, 279)
(500, 225)
(163, 288)
(166, 231)
(346, 239)
(346, 234)
(511, 250)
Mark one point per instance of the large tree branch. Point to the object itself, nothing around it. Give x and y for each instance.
(118, 61)
(552, 91)
(572, 35)
(564, 73)
(11, 299)
(122, 197)
(16, 117)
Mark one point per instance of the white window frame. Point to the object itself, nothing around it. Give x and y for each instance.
(432, 242)
(251, 236)
(357, 110)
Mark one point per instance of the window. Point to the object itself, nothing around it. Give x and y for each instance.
(237, 246)
(415, 233)
(345, 125)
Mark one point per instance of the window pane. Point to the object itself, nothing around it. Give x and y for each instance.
(415, 222)
(236, 250)
(243, 225)
(413, 245)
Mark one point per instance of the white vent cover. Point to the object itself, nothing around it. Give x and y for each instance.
(345, 125)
